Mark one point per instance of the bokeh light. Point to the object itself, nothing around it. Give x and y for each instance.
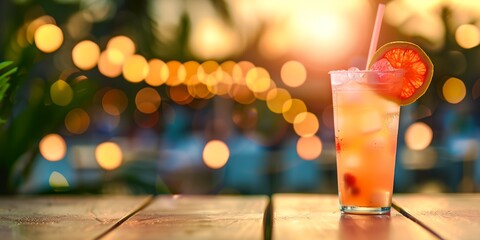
(77, 121)
(215, 154)
(48, 38)
(180, 95)
(291, 108)
(52, 147)
(258, 80)
(122, 47)
(418, 136)
(135, 68)
(114, 102)
(305, 124)
(61, 93)
(147, 100)
(109, 155)
(276, 98)
(35, 24)
(85, 55)
(176, 73)
(58, 182)
(309, 148)
(108, 67)
(158, 73)
(293, 73)
(467, 36)
(454, 90)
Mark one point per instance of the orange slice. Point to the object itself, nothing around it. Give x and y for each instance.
(410, 58)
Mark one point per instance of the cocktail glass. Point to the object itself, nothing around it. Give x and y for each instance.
(366, 129)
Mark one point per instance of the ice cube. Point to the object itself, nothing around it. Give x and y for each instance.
(352, 162)
(370, 121)
(377, 141)
(381, 198)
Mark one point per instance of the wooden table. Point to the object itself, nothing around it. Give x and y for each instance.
(286, 216)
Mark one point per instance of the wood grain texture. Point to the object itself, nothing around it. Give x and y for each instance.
(451, 216)
(63, 217)
(308, 216)
(197, 217)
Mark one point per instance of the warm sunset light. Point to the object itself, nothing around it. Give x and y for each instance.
(467, 36)
(57, 181)
(211, 38)
(309, 148)
(48, 38)
(418, 136)
(114, 102)
(305, 124)
(291, 108)
(293, 74)
(147, 100)
(135, 68)
(53, 147)
(85, 55)
(216, 154)
(77, 121)
(109, 155)
(454, 90)
(61, 93)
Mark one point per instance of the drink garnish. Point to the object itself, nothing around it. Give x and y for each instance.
(413, 60)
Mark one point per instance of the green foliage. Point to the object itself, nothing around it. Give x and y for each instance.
(7, 69)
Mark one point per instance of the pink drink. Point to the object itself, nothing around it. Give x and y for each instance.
(366, 129)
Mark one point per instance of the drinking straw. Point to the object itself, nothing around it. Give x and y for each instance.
(376, 32)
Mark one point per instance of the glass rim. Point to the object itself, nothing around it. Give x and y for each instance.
(366, 71)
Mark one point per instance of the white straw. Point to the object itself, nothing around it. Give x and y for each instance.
(376, 32)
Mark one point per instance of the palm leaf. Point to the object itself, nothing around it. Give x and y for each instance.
(6, 71)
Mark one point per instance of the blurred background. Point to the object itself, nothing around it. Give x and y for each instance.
(221, 96)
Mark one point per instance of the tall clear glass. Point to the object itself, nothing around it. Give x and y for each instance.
(366, 129)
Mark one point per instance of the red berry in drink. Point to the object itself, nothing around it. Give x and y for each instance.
(349, 179)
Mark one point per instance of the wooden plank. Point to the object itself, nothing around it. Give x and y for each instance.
(63, 217)
(197, 217)
(451, 216)
(309, 216)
